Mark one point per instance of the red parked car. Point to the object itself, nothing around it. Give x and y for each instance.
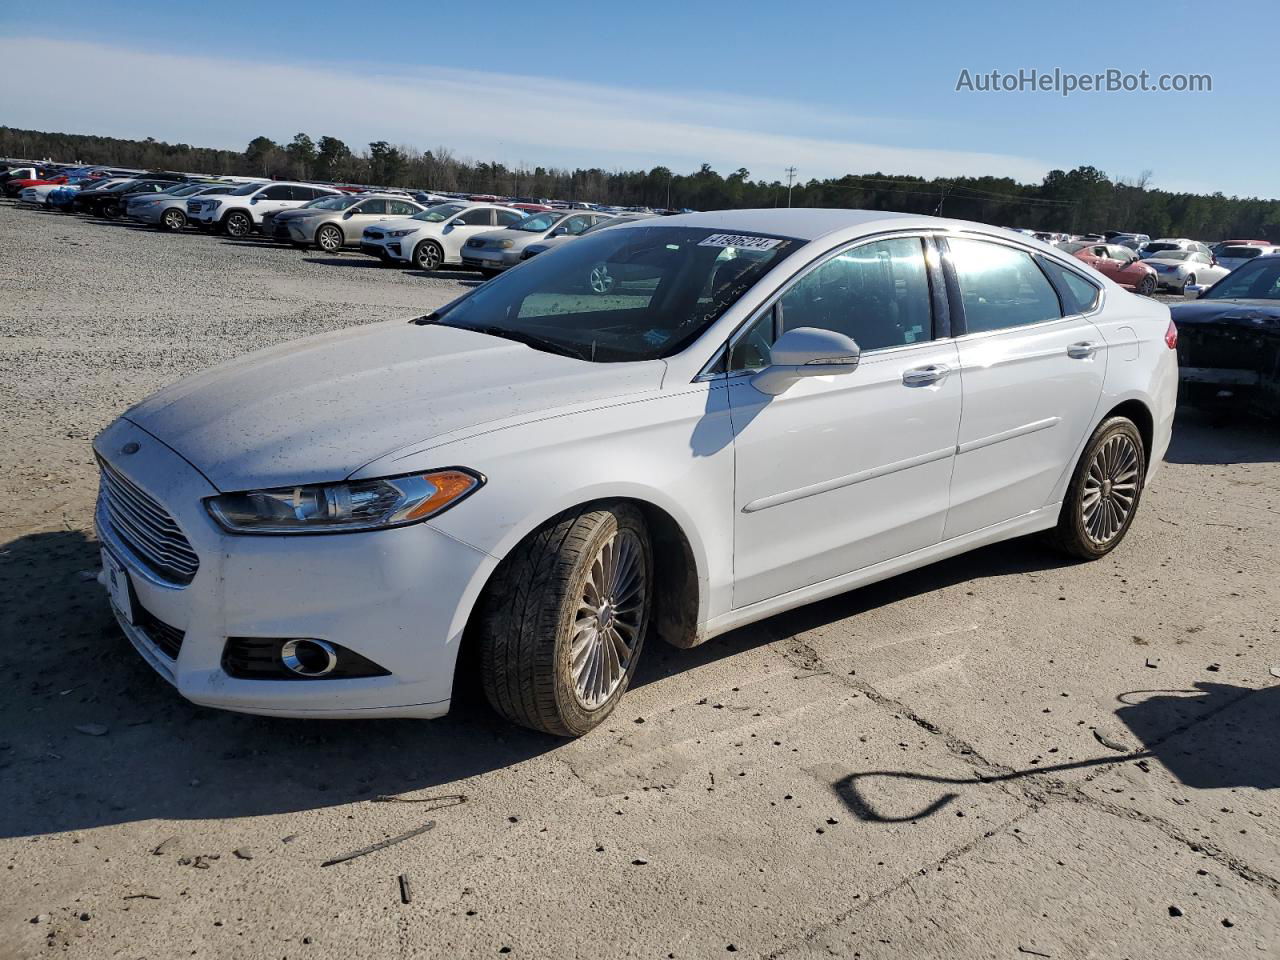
(14, 187)
(1116, 263)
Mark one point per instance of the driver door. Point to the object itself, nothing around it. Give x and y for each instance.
(841, 472)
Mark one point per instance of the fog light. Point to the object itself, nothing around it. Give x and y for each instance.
(309, 658)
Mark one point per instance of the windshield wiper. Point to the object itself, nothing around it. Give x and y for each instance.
(528, 339)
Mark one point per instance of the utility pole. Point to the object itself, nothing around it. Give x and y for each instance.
(791, 175)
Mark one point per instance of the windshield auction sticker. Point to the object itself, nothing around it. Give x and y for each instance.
(737, 240)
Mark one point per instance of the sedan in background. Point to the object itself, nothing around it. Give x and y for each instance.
(1117, 263)
(169, 209)
(1175, 269)
(1238, 255)
(1229, 339)
(434, 237)
(109, 201)
(337, 222)
(491, 253)
(1172, 244)
(791, 404)
(551, 243)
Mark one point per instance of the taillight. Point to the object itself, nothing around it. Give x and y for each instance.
(1171, 336)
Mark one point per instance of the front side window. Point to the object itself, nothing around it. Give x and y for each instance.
(279, 192)
(877, 294)
(477, 217)
(619, 295)
(1001, 287)
(373, 207)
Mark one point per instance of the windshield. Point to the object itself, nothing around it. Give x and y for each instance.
(1255, 280)
(638, 293)
(441, 211)
(340, 202)
(247, 189)
(539, 222)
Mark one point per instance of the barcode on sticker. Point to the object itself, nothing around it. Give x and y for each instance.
(738, 240)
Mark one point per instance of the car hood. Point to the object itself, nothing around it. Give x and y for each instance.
(520, 237)
(316, 410)
(408, 223)
(1244, 313)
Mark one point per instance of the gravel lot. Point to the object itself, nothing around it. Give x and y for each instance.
(1003, 755)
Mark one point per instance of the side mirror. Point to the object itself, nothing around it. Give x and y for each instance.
(348, 214)
(1192, 291)
(806, 352)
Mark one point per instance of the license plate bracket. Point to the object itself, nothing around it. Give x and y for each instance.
(118, 587)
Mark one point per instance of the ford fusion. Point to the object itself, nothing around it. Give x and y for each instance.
(757, 410)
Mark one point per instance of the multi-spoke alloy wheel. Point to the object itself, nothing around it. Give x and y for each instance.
(564, 619)
(1104, 492)
(600, 279)
(1110, 488)
(610, 615)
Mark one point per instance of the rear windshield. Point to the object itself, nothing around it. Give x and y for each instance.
(631, 293)
(1240, 253)
(1159, 247)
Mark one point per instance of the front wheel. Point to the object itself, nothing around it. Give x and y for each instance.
(329, 238)
(1103, 496)
(238, 224)
(428, 255)
(564, 620)
(1148, 285)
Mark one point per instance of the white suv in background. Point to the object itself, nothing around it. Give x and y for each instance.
(240, 212)
(435, 236)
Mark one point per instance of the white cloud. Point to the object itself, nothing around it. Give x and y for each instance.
(223, 102)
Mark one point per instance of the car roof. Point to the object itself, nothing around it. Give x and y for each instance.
(809, 223)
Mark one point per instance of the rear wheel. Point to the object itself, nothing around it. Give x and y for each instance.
(428, 255)
(237, 223)
(329, 238)
(1148, 285)
(564, 620)
(173, 219)
(1190, 280)
(1103, 496)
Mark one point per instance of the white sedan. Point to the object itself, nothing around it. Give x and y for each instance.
(1177, 269)
(434, 237)
(766, 408)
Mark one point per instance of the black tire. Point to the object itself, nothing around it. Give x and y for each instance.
(530, 609)
(428, 255)
(1095, 482)
(173, 219)
(1188, 282)
(237, 223)
(1148, 285)
(329, 238)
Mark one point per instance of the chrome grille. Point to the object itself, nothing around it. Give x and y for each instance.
(146, 528)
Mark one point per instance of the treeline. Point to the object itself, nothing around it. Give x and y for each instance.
(1075, 201)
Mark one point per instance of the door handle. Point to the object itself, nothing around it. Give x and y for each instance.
(1084, 350)
(925, 376)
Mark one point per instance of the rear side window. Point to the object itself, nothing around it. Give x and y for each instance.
(507, 217)
(376, 207)
(1001, 287)
(1078, 294)
(401, 209)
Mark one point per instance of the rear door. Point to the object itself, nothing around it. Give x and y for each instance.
(463, 227)
(1032, 375)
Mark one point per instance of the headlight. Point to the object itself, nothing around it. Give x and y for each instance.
(341, 507)
(505, 244)
(400, 233)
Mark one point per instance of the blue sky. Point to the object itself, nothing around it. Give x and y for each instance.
(830, 88)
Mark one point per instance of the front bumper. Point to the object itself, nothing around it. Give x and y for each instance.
(393, 248)
(489, 259)
(398, 597)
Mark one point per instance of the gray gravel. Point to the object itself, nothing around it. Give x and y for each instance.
(934, 766)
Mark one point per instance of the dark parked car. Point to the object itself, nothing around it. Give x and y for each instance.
(1229, 339)
(110, 201)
